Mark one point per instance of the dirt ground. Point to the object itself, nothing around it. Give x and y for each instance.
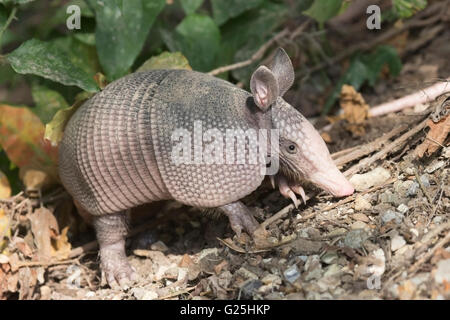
(388, 241)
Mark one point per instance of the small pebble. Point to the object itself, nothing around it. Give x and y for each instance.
(412, 190)
(397, 242)
(359, 225)
(372, 178)
(360, 217)
(249, 287)
(330, 257)
(292, 273)
(403, 208)
(425, 180)
(159, 246)
(442, 272)
(437, 220)
(246, 274)
(355, 238)
(390, 215)
(362, 204)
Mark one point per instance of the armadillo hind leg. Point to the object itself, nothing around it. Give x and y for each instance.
(111, 232)
(240, 218)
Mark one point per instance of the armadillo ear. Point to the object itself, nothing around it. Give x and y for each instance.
(281, 67)
(264, 87)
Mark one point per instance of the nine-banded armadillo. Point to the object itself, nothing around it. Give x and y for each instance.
(117, 150)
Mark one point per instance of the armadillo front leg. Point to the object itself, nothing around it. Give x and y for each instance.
(240, 218)
(111, 231)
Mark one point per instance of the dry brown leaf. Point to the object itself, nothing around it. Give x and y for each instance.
(60, 245)
(5, 188)
(435, 137)
(34, 179)
(218, 268)
(44, 226)
(355, 109)
(326, 137)
(5, 230)
(186, 261)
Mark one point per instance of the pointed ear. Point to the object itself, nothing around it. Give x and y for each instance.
(281, 67)
(264, 87)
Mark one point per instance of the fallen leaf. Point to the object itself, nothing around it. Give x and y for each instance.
(166, 60)
(60, 245)
(5, 230)
(186, 261)
(34, 179)
(54, 130)
(326, 137)
(218, 268)
(22, 138)
(5, 188)
(44, 227)
(356, 110)
(435, 137)
(100, 79)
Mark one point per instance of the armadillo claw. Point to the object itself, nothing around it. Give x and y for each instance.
(115, 267)
(240, 218)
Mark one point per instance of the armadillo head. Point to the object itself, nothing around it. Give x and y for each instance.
(302, 152)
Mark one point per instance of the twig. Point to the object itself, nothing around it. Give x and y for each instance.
(364, 46)
(43, 263)
(260, 53)
(343, 152)
(386, 150)
(12, 15)
(423, 96)
(172, 295)
(239, 249)
(256, 56)
(277, 215)
(430, 201)
(363, 150)
(429, 254)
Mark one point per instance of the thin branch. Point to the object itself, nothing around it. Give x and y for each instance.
(423, 96)
(12, 16)
(386, 150)
(363, 150)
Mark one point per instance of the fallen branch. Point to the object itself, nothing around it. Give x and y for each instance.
(430, 253)
(363, 150)
(386, 150)
(421, 97)
(261, 51)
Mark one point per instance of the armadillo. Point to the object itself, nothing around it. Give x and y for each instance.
(117, 150)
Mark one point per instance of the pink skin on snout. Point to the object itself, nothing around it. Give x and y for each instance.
(322, 169)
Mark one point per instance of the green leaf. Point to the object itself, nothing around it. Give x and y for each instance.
(242, 36)
(54, 130)
(407, 8)
(80, 54)
(223, 10)
(47, 60)
(15, 2)
(47, 101)
(377, 60)
(86, 38)
(323, 10)
(198, 38)
(190, 6)
(366, 68)
(166, 60)
(122, 28)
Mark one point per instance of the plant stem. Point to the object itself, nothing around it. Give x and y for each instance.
(12, 15)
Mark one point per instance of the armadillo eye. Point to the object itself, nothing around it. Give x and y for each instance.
(292, 148)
